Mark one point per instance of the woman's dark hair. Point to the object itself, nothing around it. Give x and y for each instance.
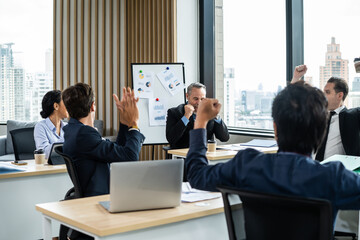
(78, 100)
(48, 101)
(300, 114)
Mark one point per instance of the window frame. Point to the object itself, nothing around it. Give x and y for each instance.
(294, 51)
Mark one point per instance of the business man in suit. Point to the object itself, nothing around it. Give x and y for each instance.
(300, 115)
(180, 119)
(90, 152)
(343, 135)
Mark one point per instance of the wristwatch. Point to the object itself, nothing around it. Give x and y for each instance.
(134, 128)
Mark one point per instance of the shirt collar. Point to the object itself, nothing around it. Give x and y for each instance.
(49, 124)
(339, 109)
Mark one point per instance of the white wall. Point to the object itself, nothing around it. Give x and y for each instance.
(188, 38)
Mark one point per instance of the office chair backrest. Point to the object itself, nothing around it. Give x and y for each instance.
(23, 143)
(269, 216)
(72, 172)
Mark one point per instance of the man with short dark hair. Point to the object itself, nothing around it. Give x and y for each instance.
(343, 135)
(180, 119)
(300, 115)
(90, 152)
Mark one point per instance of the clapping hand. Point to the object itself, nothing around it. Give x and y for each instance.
(129, 112)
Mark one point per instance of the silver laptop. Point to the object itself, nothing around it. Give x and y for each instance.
(145, 185)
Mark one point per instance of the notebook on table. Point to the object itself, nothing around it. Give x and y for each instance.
(144, 185)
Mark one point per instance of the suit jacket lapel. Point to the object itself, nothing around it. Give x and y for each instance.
(341, 127)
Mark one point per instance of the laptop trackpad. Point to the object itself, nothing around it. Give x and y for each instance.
(105, 204)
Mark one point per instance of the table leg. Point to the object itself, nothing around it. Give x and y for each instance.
(47, 228)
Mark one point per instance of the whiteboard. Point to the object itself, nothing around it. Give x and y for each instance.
(157, 134)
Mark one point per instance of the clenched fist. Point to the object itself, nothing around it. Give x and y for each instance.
(208, 109)
(189, 110)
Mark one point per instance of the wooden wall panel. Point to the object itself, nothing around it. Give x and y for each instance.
(149, 36)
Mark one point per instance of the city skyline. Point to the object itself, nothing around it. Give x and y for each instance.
(21, 92)
(252, 108)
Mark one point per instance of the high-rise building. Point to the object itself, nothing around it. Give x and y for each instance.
(37, 85)
(335, 66)
(229, 96)
(356, 84)
(12, 84)
(354, 94)
(19, 93)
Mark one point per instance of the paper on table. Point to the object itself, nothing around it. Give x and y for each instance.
(190, 194)
(6, 167)
(350, 162)
(260, 143)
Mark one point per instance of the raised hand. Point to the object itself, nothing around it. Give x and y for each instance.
(208, 109)
(299, 72)
(189, 110)
(129, 112)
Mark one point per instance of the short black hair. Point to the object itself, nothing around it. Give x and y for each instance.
(48, 101)
(340, 86)
(78, 100)
(300, 114)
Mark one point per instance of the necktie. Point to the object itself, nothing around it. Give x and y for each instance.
(321, 150)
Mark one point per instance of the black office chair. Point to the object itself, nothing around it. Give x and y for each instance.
(23, 143)
(74, 192)
(166, 149)
(269, 216)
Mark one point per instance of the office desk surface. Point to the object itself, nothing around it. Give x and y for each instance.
(20, 191)
(33, 169)
(87, 214)
(220, 154)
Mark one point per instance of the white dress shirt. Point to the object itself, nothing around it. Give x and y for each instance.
(334, 144)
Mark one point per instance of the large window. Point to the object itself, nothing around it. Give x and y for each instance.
(26, 39)
(331, 42)
(254, 53)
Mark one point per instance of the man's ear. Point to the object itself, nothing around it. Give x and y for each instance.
(340, 95)
(187, 96)
(275, 131)
(92, 108)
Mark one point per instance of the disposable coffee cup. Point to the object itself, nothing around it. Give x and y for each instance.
(211, 146)
(39, 156)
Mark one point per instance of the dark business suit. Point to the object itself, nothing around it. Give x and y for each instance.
(92, 154)
(177, 133)
(349, 124)
(279, 173)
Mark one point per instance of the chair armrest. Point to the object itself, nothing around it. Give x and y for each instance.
(2, 145)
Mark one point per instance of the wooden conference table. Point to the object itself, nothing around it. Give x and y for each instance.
(199, 220)
(20, 191)
(222, 153)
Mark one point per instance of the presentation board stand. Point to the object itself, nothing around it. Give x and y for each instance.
(159, 86)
